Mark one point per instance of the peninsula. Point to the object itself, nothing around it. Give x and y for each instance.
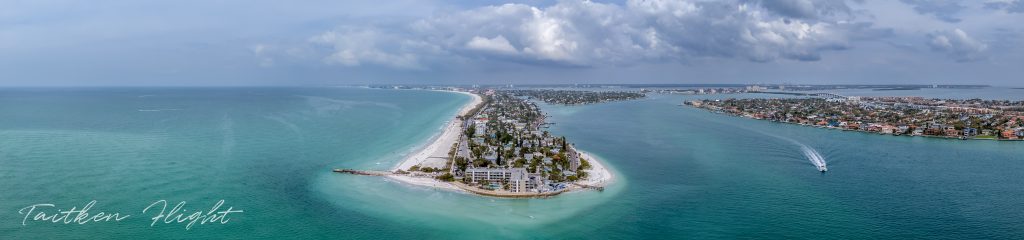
(909, 116)
(497, 147)
(575, 97)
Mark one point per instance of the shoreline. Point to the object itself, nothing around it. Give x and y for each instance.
(599, 175)
(449, 135)
(863, 131)
(440, 143)
(436, 143)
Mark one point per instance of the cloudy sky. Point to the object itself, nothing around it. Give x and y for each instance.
(321, 42)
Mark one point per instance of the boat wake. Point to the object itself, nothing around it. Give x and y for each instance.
(814, 157)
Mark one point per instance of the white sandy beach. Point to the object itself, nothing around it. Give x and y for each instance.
(435, 153)
(424, 181)
(599, 176)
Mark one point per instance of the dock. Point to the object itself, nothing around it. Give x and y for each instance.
(363, 172)
(598, 188)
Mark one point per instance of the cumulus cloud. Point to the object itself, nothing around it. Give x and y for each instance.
(958, 44)
(497, 45)
(585, 33)
(354, 47)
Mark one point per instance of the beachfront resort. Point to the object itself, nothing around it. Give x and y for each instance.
(909, 116)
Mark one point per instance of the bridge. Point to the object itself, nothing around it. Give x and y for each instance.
(828, 95)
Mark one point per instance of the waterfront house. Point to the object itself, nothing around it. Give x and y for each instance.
(1009, 134)
(952, 132)
(864, 126)
(918, 132)
(874, 127)
(853, 126)
(833, 123)
(969, 132)
(887, 129)
(934, 129)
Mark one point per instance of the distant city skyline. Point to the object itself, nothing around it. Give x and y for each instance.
(240, 43)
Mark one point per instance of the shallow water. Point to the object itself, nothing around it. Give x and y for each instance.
(681, 172)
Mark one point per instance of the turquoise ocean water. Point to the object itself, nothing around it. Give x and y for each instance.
(681, 172)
